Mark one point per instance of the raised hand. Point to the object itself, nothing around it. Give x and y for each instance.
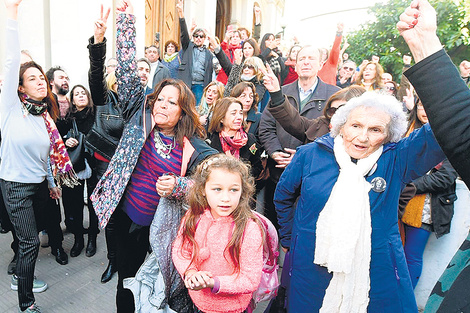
(180, 8)
(100, 25)
(257, 11)
(270, 80)
(12, 8)
(409, 99)
(418, 27)
(212, 42)
(124, 6)
(193, 26)
(407, 59)
(238, 56)
(340, 27)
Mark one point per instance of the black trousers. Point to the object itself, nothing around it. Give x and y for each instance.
(47, 214)
(269, 208)
(72, 198)
(51, 220)
(132, 248)
(20, 199)
(110, 230)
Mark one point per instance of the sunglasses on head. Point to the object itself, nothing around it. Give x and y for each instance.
(331, 111)
(199, 36)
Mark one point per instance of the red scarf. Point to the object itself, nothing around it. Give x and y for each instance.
(232, 145)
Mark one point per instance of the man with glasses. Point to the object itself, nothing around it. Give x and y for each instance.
(345, 74)
(196, 60)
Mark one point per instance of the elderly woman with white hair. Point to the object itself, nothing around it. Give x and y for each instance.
(345, 248)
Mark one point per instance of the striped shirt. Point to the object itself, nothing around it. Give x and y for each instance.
(141, 198)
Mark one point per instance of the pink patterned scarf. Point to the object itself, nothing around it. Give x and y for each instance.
(231, 146)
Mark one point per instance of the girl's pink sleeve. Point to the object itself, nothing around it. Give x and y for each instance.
(251, 264)
(178, 255)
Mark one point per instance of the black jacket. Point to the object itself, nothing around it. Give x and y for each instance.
(250, 152)
(446, 99)
(186, 65)
(108, 123)
(440, 183)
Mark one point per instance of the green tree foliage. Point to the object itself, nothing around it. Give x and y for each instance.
(380, 36)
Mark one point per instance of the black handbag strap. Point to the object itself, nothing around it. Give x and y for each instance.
(75, 127)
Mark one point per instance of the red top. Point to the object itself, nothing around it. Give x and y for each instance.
(329, 69)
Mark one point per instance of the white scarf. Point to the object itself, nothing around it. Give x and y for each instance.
(343, 236)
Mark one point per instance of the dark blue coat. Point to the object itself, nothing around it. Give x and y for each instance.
(312, 174)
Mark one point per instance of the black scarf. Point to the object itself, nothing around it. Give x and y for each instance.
(34, 107)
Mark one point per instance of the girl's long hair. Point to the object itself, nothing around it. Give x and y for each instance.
(198, 204)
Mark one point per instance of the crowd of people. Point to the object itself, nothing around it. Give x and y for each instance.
(177, 150)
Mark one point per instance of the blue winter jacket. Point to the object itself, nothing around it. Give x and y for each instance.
(310, 177)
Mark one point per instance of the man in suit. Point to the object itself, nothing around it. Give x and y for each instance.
(158, 71)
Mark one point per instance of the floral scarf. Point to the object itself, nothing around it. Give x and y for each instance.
(61, 166)
(232, 145)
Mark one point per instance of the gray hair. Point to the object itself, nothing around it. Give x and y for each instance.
(378, 101)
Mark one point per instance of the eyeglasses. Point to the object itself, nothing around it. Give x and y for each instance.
(199, 36)
(390, 88)
(331, 111)
(348, 68)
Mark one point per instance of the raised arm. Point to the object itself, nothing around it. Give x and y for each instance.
(444, 95)
(130, 90)
(233, 79)
(184, 34)
(257, 28)
(220, 54)
(333, 58)
(97, 54)
(12, 61)
(284, 113)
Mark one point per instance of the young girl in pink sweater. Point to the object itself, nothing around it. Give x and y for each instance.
(219, 248)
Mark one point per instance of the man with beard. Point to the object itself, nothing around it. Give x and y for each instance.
(59, 81)
(143, 71)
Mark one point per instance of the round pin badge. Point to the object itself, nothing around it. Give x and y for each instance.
(378, 184)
